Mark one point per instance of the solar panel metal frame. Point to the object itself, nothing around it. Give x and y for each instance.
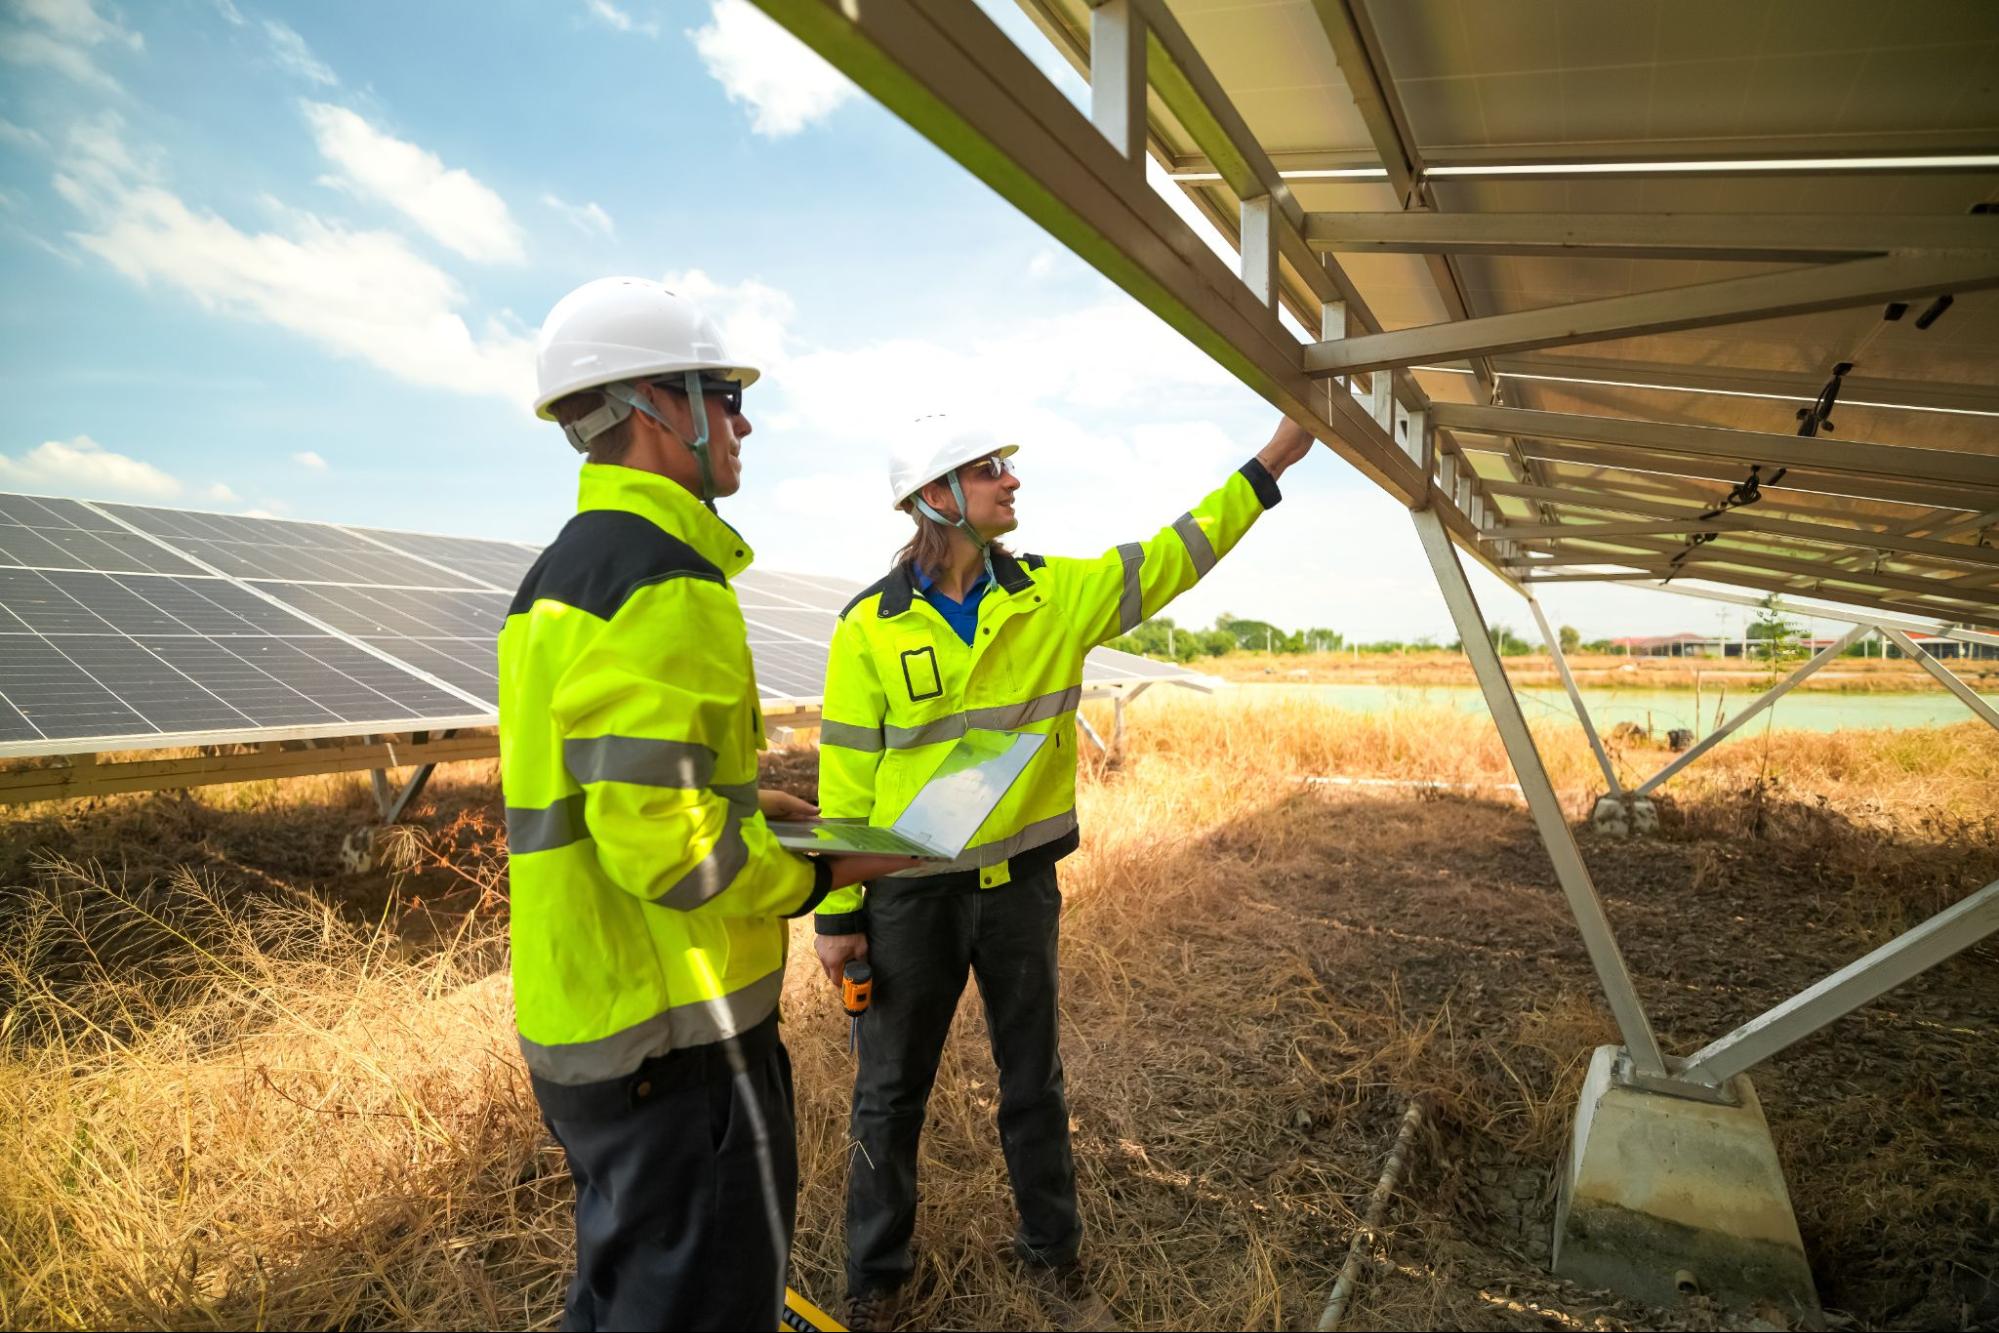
(1299, 146)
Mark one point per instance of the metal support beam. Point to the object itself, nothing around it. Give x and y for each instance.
(391, 803)
(1953, 467)
(1598, 937)
(1787, 586)
(1554, 643)
(1949, 932)
(1117, 77)
(1668, 497)
(1683, 473)
(86, 776)
(1945, 677)
(1656, 555)
(1795, 386)
(1259, 249)
(1843, 615)
(1861, 155)
(1797, 291)
(983, 101)
(1684, 521)
(1757, 237)
(1768, 697)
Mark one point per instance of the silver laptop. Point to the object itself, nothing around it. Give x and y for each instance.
(966, 788)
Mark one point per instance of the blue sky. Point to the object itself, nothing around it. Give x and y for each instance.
(289, 258)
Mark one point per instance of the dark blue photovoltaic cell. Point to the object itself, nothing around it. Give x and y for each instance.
(105, 633)
(268, 548)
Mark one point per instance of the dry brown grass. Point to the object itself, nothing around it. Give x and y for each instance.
(245, 1093)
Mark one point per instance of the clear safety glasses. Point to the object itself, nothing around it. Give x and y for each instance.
(992, 465)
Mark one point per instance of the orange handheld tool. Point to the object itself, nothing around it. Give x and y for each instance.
(857, 987)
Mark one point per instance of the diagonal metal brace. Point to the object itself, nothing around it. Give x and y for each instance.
(392, 802)
(1763, 701)
(1950, 931)
(1584, 902)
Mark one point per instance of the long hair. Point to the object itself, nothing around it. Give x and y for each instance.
(930, 548)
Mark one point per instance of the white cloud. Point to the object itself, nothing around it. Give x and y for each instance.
(755, 318)
(73, 62)
(220, 492)
(293, 55)
(228, 10)
(84, 467)
(612, 16)
(309, 460)
(77, 21)
(63, 34)
(21, 136)
(587, 218)
(784, 82)
(450, 204)
(361, 294)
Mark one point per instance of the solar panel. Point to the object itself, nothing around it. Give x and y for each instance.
(136, 627)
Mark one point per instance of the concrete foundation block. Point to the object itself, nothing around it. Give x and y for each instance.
(1620, 817)
(1662, 1195)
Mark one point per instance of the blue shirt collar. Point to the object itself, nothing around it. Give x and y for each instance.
(926, 584)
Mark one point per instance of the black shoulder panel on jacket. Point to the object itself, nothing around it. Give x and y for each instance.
(602, 557)
(1034, 561)
(879, 585)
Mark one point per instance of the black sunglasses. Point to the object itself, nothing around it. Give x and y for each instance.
(729, 391)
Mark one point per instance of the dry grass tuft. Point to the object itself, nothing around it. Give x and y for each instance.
(247, 1092)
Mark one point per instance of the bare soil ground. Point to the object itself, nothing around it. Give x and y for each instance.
(323, 1124)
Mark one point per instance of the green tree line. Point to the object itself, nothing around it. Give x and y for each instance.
(1164, 638)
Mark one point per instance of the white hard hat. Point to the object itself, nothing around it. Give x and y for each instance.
(933, 446)
(618, 329)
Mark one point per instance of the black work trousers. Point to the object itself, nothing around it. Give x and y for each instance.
(921, 944)
(686, 1188)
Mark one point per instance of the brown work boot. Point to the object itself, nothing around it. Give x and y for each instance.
(876, 1309)
(1071, 1297)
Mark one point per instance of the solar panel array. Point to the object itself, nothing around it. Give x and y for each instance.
(133, 627)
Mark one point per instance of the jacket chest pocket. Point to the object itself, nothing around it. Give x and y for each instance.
(922, 677)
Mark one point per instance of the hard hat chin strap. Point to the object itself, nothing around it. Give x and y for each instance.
(624, 399)
(961, 522)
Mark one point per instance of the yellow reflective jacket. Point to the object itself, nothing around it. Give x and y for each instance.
(901, 686)
(647, 891)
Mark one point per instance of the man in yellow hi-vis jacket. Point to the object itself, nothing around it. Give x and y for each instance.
(961, 636)
(648, 896)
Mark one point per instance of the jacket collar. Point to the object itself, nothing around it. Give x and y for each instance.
(668, 505)
(899, 588)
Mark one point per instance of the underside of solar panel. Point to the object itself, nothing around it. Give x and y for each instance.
(124, 627)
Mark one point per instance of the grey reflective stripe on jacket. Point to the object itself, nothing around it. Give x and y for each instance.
(694, 1024)
(1199, 549)
(544, 830)
(638, 760)
(850, 736)
(565, 822)
(1003, 717)
(713, 872)
(1131, 606)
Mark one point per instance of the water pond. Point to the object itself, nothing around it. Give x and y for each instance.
(1662, 709)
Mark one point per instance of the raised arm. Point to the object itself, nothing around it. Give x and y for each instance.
(1113, 593)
